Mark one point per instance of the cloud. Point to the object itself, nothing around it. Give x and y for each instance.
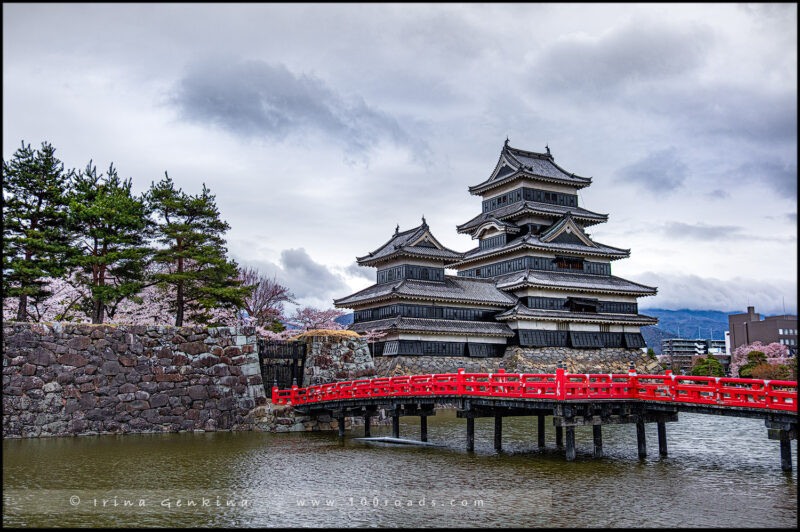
(719, 109)
(638, 51)
(718, 194)
(659, 172)
(256, 99)
(360, 271)
(311, 282)
(676, 291)
(779, 177)
(701, 231)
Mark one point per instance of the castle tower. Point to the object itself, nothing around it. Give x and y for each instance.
(422, 310)
(532, 243)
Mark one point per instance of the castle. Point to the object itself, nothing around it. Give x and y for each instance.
(536, 280)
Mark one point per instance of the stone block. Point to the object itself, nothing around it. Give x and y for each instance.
(79, 343)
(159, 400)
(197, 392)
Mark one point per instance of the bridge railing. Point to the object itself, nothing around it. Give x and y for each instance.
(754, 393)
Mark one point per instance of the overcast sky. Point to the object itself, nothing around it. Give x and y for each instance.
(321, 127)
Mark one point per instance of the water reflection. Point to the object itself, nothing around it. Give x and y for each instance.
(720, 472)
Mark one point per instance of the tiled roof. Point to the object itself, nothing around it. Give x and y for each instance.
(533, 241)
(398, 324)
(401, 244)
(452, 289)
(529, 163)
(533, 207)
(521, 311)
(572, 281)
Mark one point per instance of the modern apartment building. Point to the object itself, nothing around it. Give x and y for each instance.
(751, 327)
(682, 350)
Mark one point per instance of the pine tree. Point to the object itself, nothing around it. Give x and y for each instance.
(112, 227)
(35, 236)
(190, 230)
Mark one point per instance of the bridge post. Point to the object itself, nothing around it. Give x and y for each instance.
(396, 423)
(470, 434)
(559, 437)
(498, 432)
(662, 437)
(366, 427)
(423, 428)
(640, 438)
(597, 433)
(340, 422)
(570, 443)
(786, 451)
(540, 432)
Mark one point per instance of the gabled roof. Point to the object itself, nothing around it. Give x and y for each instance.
(418, 242)
(521, 312)
(564, 227)
(551, 240)
(454, 289)
(434, 326)
(515, 164)
(500, 225)
(604, 284)
(514, 210)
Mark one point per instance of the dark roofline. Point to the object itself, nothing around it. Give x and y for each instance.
(648, 290)
(371, 260)
(507, 150)
(546, 246)
(522, 206)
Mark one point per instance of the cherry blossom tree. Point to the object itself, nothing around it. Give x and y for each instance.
(308, 318)
(265, 303)
(775, 352)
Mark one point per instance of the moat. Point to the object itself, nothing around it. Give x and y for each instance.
(721, 472)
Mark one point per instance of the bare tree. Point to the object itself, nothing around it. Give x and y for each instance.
(265, 304)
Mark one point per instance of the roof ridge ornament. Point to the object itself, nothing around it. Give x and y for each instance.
(397, 230)
(506, 143)
(424, 223)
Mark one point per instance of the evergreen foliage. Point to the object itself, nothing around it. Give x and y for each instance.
(754, 358)
(708, 367)
(111, 226)
(35, 236)
(193, 252)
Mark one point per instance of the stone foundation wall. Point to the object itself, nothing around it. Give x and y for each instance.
(392, 366)
(68, 379)
(332, 359)
(606, 360)
(523, 360)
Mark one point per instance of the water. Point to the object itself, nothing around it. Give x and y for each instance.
(721, 472)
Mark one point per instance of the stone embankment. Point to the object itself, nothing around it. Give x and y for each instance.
(68, 379)
(523, 360)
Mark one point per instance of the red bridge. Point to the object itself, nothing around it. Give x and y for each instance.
(572, 400)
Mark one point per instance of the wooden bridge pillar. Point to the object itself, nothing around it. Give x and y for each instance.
(498, 432)
(423, 428)
(470, 434)
(786, 451)
(640, 439)
(559, 437)
(662, 437)
(396, 423)
(540, 431)
(570, 443)
(597, 434)
(340, 422)
(366, 426)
